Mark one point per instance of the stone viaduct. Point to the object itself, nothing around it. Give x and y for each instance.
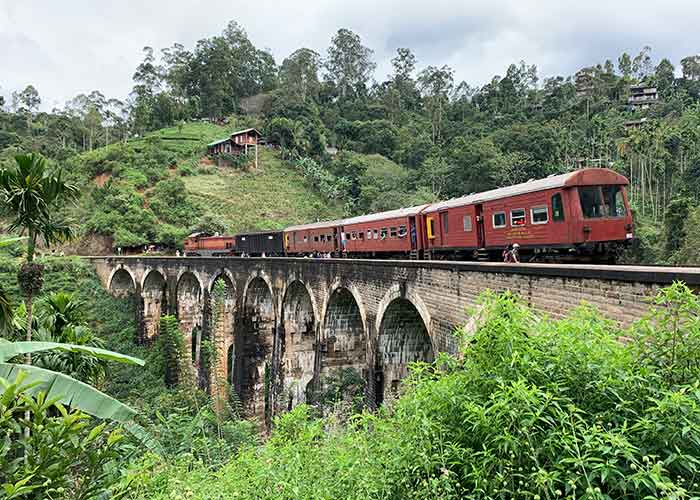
(278, 326)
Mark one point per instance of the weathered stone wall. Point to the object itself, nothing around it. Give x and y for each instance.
(301, 318)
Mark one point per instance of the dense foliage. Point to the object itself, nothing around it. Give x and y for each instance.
(532, 408)
(415, 135)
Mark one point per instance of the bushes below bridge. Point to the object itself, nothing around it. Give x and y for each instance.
(531, 408)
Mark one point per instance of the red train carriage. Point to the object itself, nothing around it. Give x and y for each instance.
(393, 233)
(305, 239)
(580, 214)
(201, 245)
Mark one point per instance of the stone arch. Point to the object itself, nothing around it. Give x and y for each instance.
(154, 291)
(335, 286)
(298, 321)
(255, 333)
(189, 313)
(344, 345)
(258, 275)
(228, 279)
(402, 338)
(121, 282)
(397, 291)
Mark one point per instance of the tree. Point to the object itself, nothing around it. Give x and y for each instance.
(27, 100)
(664, 76)
(691, 67)
(436, 85)
(642, 64)
(349, 64)
(32, 196)
(299, 74)
(624, 64)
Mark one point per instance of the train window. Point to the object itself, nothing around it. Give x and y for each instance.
(616, 201)
(499, 220)
(467, 223)
(329, 237)
(557, 208)
(431, 228)
(369, 234)
(353, 235)
(242, 238)
(517, 217)
(270, 237)
(316, 238)
(402, 231)
(306, 238)
(392, 232)
(445, 224)
(601, 201)
(360, 235)
(539, 215)
(384, 233)
(376, 233)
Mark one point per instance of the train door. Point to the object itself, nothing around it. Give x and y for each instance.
(335, 239)
(413, 232)
(479, 217)
(444, 227)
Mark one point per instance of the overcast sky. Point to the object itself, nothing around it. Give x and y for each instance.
(72, 46)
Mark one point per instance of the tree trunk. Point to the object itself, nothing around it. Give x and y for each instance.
(29, 301)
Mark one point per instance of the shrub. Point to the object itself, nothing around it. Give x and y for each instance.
(533, 408)
(56, 453)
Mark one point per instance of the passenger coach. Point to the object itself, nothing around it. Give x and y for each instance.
(583, 214)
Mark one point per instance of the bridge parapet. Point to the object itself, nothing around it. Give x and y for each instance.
(302, 318)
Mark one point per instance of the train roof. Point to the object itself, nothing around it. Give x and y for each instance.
(360, 219)
(253, 233)
(390, 214)
(583, 177)
(315, 225)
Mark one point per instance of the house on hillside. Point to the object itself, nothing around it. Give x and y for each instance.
(642, 96)
(240, 142)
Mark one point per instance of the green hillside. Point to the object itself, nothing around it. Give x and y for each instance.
(159, 188)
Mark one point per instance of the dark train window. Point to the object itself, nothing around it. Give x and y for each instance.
(539, 215)
(384, 233)
(557, 208)
(601, 201)
(499, 219)
(392, 232)
(402, 231)
(445, 224)
(360, 235)
(517, 217)
(353, 235)
(315, 238)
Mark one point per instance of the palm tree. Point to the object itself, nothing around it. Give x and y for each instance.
(31, 196)
(5, 303)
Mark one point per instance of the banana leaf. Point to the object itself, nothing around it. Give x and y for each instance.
(9, 350)
(69, 391)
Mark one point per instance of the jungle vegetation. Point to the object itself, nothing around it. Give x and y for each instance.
(354, 142)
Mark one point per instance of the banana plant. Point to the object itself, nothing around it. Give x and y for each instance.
(66, 389)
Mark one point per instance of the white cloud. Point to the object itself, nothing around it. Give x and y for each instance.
(73, 46)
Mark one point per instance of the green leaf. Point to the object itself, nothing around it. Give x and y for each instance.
(69, 391)
(9, 350)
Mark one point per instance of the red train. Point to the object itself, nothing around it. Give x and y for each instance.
(581, 215)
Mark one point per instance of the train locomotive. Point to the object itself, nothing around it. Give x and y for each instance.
(581, 216)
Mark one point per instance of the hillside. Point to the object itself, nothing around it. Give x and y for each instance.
(159, 188)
